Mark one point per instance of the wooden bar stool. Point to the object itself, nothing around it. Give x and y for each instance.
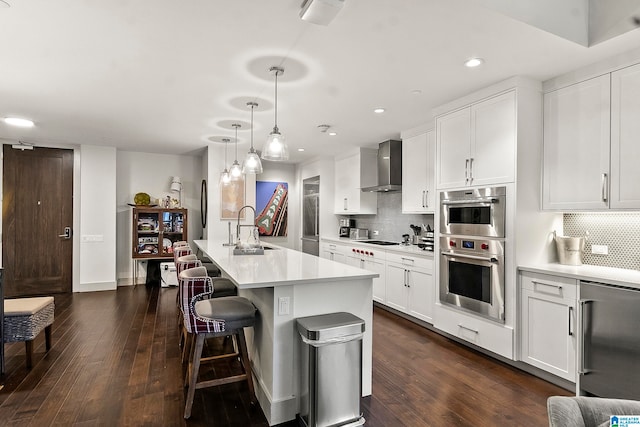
(25, 318)
(213, 317)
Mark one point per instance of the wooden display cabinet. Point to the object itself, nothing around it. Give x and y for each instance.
(155, 230)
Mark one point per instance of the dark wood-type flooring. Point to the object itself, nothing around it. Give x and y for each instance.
(115, 361)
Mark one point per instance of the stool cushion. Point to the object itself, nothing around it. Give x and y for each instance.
(235, 312)
(212, 270)
(223, 288)
(25, 306)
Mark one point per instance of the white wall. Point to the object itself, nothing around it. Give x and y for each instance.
(151, 173)
(97, 183)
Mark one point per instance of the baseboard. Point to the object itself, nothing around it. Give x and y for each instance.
(96, 286)
(275, 411)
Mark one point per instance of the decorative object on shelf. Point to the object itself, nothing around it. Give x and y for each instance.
(176, 187)
(272, 203)
(225, 177)
(252, 163)
(232, 198)
(142, 199)
(236, 169)
(275, 148)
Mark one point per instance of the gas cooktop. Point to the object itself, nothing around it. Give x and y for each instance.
(381, 242)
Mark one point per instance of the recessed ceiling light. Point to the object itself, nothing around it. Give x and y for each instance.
(16, 121)
(416, 92)
(473, 62)
(333, 133)
(379, 110)
(301, 149)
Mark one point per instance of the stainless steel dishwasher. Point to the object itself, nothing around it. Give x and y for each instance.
(609, 364)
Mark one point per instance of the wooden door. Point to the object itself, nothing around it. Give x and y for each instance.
(37, 206)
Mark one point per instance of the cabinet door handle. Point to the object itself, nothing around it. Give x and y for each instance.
(407, 272)
(466, 171)
(553, 285)
(475, 331)
(570, 313)
(345, 204)
(411, 260)
(470, 170)
(424, 199)
(605, 185)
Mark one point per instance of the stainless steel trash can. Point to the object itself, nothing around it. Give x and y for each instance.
(331, 371)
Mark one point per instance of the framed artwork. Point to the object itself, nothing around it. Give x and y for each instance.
(232, 199)
(272, 200)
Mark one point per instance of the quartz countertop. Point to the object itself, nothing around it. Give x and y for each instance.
(404, 249)
(593, 273)
(278, 266)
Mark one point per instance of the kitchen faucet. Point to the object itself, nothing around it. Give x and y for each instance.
(238, 226)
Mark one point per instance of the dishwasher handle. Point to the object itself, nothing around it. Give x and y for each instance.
(582, 370)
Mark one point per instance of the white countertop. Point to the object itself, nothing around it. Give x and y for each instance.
(593, 273)
(277, 267)
(404, 249)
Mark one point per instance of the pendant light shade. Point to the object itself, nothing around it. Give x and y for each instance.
(236, 169)
(225, 177)
(275, 148)
(252, 163)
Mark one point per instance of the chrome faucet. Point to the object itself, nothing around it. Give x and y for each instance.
(238, 225)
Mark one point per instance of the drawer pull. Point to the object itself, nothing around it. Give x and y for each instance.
(553, 285)
(475, 331)
(411, 260)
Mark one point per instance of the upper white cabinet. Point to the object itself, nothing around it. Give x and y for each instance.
(418, 173)
(476, 144)
(576, 146)
(590, 143)
(625, 147)
(353, 172)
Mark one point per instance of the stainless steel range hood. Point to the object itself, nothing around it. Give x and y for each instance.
(389, 167)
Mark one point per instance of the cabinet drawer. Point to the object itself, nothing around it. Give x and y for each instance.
(423, 263)
(552, 286)
(483, 333)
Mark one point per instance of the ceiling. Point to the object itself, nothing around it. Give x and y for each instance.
(169, 76)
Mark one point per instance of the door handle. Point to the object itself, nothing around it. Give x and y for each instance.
(605, 185)
(582, 370)
(470, 170)
(570, 312)
(424, 199)
(67, 233)
(466, 171)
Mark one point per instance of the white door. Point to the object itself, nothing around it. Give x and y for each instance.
(378, 282)
(453, 136)
(396, 289)
(493, 140)
(625, 131)
(576, 146)
(414, 174)
(347, 173)
(421, 294)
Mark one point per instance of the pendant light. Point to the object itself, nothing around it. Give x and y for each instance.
(236, 169)
(225, 178)
(275, 148)
(252, 163)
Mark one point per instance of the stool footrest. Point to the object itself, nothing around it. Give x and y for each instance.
(221, 381)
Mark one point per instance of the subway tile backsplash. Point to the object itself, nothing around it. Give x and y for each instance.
(619, 231)
(390, 221)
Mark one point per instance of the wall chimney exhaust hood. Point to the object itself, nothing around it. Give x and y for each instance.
(389, 167)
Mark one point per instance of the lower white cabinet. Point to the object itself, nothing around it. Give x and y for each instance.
(366, 260)
(410, 287)
(333, 251)
(548, 323)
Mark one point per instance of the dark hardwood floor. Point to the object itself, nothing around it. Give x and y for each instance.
(115, 361)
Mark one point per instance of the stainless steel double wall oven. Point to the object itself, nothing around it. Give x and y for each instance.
(472, 238)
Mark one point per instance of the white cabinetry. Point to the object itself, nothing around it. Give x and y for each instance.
(625, 148)
(353, 172)
(476, 145)
(372, 260)
(576, 146)
(590, 143)
(418, 173)
(333, 252)
(548, 323)
(410, 286)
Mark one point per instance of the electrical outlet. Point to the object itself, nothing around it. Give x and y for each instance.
(600, 249)
(283, 306)
(375, 233)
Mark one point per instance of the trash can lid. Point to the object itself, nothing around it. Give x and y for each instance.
(328, 326)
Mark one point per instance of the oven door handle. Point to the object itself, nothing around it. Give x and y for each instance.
(485, 201)
(479, 258)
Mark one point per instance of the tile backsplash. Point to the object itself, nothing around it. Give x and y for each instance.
(390, 222)
(620, 231)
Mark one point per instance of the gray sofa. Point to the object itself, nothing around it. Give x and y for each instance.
(567, 411)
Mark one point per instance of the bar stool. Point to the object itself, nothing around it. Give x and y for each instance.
(182, 248)
(213, 317)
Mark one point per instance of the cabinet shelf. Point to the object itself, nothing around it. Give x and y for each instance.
(168, 226)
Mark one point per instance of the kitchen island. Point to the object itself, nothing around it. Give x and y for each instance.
(285, 284)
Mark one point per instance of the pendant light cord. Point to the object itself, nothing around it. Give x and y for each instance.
(226, 143)
(252, 126)
(275, 124)
(236, 126)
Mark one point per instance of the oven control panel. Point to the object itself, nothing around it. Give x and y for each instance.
(468, 244)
